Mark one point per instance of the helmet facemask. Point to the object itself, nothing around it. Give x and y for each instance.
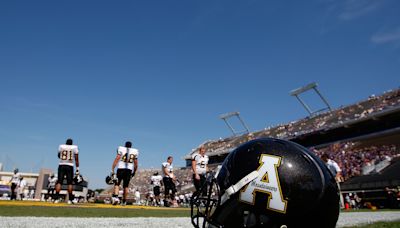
(203, 206)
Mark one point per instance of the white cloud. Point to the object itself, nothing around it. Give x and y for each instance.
(351, 9)
(386, 37)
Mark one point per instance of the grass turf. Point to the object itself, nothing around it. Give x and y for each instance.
(40, 209)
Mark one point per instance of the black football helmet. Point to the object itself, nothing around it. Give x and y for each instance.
(268, 183)
(78, 179)
(111, 179)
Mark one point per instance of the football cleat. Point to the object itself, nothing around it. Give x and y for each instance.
(115, 201)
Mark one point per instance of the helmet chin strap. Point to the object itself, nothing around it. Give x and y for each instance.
(239, 185)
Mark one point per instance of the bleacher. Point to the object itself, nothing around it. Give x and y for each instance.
(353, 157)
(323, 121)
(356, 161)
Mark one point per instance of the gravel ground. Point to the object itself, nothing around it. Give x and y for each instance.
(345, 219)
(357, 218)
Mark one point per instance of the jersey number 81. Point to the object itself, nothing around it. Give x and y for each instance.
(66, 155)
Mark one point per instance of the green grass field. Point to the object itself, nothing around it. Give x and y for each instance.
(40, 209)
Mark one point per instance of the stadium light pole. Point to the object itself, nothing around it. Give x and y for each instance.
(313, 86)
(229, 115)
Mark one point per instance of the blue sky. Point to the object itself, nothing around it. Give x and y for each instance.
(159, 73)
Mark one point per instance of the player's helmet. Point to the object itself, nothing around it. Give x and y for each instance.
(111, 179)
(78, 179)
(268, 183)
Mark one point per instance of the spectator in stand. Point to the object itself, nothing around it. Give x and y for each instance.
(355, 161)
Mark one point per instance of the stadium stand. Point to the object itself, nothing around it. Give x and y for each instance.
(337, 118)
(364, 138)
(355, 161)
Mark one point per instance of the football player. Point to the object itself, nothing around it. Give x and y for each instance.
(51, 187)
(14, 183)
(156, 181)
(200, 168)
(269, 183)
(169, 181)
(67, 153)
(21, 188)
(137, 197)
(127, 161)
(333, 167)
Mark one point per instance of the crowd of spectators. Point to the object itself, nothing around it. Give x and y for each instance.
(353, 159)
(320, 121)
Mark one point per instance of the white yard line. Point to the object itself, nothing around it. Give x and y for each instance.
(357, 218)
